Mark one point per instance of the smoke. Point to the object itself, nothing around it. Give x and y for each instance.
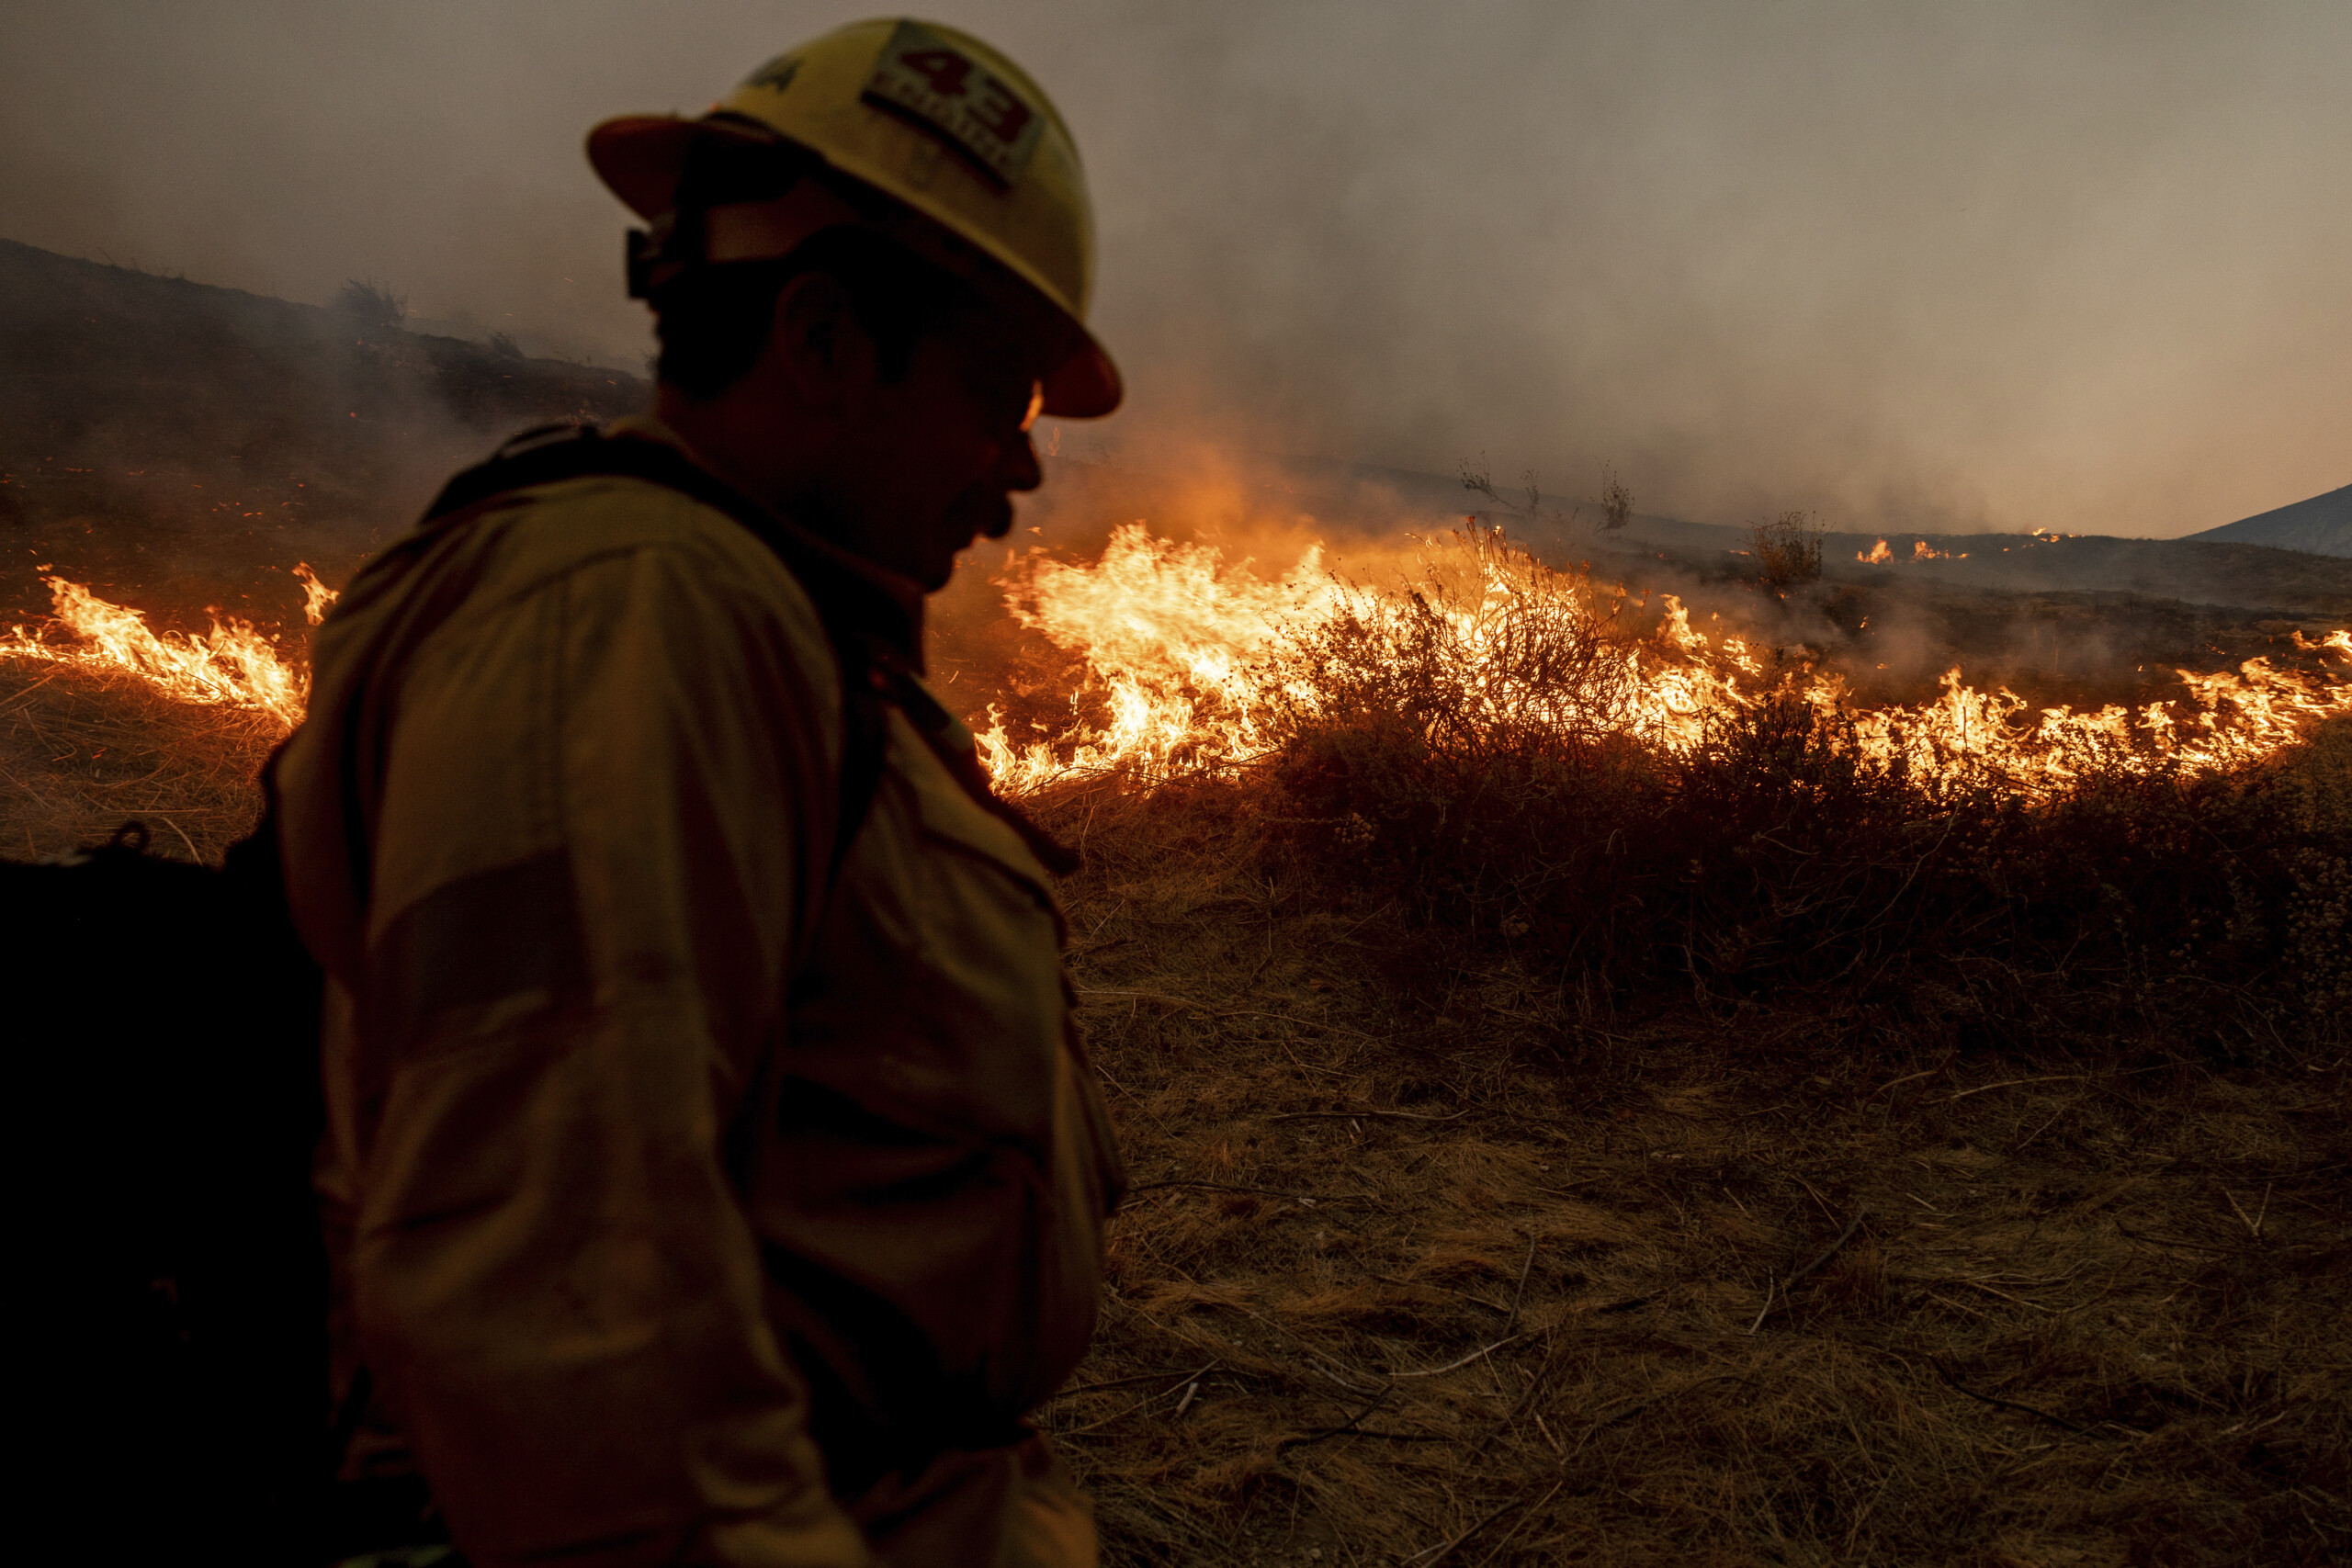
(1914, 266)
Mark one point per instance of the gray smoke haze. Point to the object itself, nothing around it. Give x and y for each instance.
(2078, 266)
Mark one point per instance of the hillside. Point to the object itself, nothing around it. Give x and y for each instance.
(2322, 524)
(219, 437)
(2285, 561)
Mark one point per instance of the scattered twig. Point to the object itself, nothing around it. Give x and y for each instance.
(1307, 1438)
(175, 828)
(1452, 1366)
(1788, 1286)
(1495, 1551)
(1159, 999)
(2253, 1225)
(1335, 1366)
(1945, 1372)
(1351, 1427)
(2012, 1083)
(1291, 1017)
(2018, 1146)
(2188, 1246)
(1908, 1077)
(20, 784)
(1765, 1308)
(1429, 1557)
(1519, 1295)
(1980, 1285)
(1449, 1290)
(1130, 1382)
(1231, 1187)
(1827, 1252)
(1535, 1386)
(1368, 1115)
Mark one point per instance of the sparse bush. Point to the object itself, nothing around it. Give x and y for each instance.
(1616, 502)
(1788, 549)
(1478, 478)
(504, 346)
(370, 306)
(1466, 752)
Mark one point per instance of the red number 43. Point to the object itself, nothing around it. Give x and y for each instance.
(945, 70)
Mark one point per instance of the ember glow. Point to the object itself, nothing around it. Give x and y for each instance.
(231, 666)
(1188, 657)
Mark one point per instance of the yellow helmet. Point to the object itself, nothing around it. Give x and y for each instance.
(951, 131)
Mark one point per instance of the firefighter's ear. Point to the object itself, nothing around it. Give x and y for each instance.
(823, 348)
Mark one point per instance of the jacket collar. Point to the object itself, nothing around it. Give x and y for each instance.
(904, 592)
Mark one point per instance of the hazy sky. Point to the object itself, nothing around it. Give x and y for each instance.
(1952, 263)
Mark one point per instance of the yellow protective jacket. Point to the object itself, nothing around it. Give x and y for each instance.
(683, 1208)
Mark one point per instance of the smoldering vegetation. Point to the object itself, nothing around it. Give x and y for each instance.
(1554, 1149)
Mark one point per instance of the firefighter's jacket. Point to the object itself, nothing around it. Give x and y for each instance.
(687, 1204)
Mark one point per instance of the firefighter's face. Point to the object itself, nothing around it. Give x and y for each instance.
(924, 464)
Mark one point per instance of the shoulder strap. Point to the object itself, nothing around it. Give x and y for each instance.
(865, 625)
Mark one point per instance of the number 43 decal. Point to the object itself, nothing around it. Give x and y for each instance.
(922, 77)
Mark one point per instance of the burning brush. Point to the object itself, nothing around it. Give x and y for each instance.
(1192, 665)
(231, 666)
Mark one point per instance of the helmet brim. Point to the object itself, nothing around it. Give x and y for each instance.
(642, 159)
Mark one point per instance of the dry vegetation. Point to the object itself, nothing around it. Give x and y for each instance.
(1548, 1150)
(82, 752)
(1787, 550)
(1428, 1263)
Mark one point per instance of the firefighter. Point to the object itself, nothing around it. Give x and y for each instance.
(712, 1174)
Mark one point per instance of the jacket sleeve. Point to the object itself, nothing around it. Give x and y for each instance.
(583, 907)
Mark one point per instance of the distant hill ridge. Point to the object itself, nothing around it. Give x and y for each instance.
(111, 372)
(2226, 567)
(2322, 526)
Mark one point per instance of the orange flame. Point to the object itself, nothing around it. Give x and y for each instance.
(317, 597)
(231, 666)
(1877, 555)
(1186, 656)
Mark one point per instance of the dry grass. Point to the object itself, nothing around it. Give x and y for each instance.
(82, 752)
(2087, 1310)
(1432, 1260)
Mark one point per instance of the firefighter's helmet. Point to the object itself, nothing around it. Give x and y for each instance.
(981, 174)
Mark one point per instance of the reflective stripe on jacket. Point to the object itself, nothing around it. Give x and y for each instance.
(655, 1167)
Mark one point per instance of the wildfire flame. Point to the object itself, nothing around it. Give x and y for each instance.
(1188, 660)
(1877, 555)
(317, 597)
(1186, 657)
(231, 666)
